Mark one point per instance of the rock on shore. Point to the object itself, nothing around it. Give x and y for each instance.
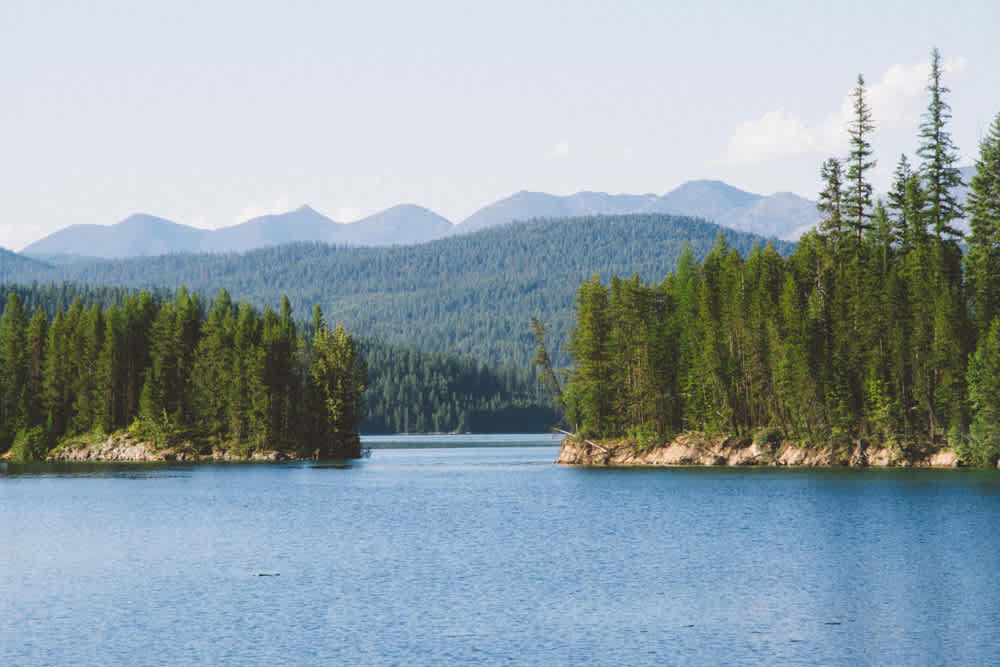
(124, 448)
(695, 450)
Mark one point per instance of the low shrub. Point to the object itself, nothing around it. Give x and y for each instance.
(31, 444)
(770, 436)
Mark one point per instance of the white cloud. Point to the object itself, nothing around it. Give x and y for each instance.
(776, 135)
(279, 205)
(558, 151)
(897, 99)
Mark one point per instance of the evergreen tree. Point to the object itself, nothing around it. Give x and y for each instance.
(248, 407)
(87, 341)
(940, 175)
(982, 263)
(905, 201)
(58, 374)
(111, 380)
(831, 201)
(161, 390)
(589, 409)
(13, 369)
(34, 410)
(858, 196)
(213, 364)
(188, 321)
(140, 311)
(338, 379)
(984, 397)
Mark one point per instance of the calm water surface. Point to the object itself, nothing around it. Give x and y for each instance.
(494, 555)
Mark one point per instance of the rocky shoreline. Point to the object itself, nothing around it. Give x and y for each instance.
(692, 449)
(126, 449)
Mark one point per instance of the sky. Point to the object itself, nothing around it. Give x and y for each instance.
(210, 113)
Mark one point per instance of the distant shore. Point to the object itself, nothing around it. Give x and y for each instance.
(693, 449)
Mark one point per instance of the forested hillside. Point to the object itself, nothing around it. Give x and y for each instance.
(875, 329)
(435, 392)
(13, 264)
(470, 294)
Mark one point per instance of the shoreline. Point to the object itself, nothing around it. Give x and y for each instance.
(125, 448)
(694, 449)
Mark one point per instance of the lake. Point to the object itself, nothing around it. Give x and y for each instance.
(429, 552)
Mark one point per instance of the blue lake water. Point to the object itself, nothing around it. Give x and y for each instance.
(494, 555)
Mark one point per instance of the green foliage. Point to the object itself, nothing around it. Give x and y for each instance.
(31, 444)
(412, 391)
(13, 367)
(940, 175)
(643, 438)
(831, 200)
(173, 376)
(983, 445)
(982, 263)
(337, 378)
(858, 198)
(768, 436)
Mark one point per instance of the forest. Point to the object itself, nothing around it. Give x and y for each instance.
(877, 327)
(409, 390)
(472, 295)
(236, 380)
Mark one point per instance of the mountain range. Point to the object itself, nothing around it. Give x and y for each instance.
(782, 215)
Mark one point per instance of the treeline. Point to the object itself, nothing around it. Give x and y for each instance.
(471, 295)
(876, 328)
(410, 390)
(231, 378)
(418, 392)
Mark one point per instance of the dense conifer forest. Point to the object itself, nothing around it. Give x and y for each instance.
(875, 328)
(235, 379)
(472, 295)
(408, 390)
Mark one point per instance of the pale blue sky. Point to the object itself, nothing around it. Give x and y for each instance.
(210, 112)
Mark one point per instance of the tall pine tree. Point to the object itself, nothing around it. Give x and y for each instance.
(940, 175)
(858, 196)
(982, 263)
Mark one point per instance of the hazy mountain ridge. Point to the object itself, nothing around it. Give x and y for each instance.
(142, 235)
(12, 265)
(525, 205)
(782, 215)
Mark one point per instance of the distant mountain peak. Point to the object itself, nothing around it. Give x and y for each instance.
(408, 206)
(143, 218)
(707, 181)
